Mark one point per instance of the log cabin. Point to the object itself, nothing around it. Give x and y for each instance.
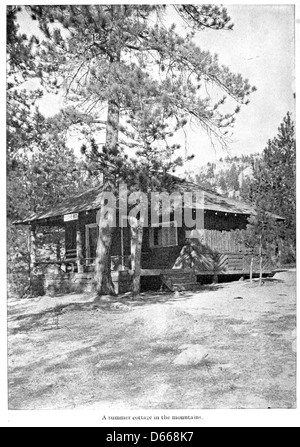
(178, 258)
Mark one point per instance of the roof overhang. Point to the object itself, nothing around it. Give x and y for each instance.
(91, 199)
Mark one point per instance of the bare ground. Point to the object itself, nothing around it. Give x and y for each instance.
(227, 346)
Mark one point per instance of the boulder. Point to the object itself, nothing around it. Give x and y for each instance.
(191, 355)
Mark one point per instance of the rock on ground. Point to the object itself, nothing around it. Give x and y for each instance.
(192, 355)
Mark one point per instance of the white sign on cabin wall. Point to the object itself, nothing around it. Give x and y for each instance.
(69, 217)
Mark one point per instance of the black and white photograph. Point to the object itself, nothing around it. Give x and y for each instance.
(150, 210)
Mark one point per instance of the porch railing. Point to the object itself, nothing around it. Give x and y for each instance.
(74, 264)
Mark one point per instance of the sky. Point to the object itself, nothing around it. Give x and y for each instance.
(261, 48)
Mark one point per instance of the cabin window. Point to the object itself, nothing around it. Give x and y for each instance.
(164, 236)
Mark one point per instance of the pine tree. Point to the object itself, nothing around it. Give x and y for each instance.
(272, 190)
(21, 66)
(41, 178)
(274, 186)
(113, 56)
(260, 239)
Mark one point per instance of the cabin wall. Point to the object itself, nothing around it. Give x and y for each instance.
(218, 237)
(215, 252)
(161, 257)
(222, 222)
(221, 241)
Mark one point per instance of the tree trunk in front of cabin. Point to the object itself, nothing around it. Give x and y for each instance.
(260, 262)
(137, 231)
(104, 284)
(251, 268)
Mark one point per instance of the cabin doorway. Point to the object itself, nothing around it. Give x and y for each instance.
(91, 238)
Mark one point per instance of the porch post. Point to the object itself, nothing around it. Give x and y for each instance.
(79, 247)
(133, 245)
(58, 254)
(58, 247)
(122, 248)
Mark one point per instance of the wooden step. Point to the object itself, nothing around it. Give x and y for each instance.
(179, 280)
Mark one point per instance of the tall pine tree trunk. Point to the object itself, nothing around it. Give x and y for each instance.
(260, 261)
(251, 269)
(136, 253)
(104, 284)
(32, 256)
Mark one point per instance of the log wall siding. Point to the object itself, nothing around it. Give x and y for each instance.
(211, 245)
(222, 241)
(214, 222)
(211, 240)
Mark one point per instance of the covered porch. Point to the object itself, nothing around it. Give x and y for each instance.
(70, 263)
(70, 258)
(78, 253)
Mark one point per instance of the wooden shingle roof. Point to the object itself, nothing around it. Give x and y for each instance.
(84, 201)
(91, 200)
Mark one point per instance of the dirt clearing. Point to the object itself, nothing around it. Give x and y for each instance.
(226, 346)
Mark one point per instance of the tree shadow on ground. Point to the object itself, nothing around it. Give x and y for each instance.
(48, 319)
(44, 320)
(149, 298)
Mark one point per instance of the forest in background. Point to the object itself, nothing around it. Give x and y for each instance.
(266, 180)
(229, 176)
